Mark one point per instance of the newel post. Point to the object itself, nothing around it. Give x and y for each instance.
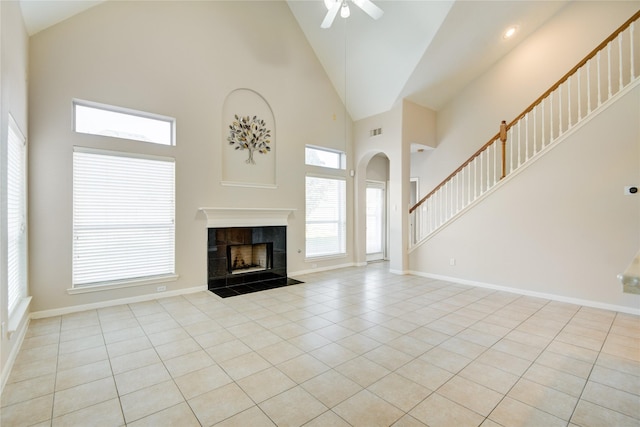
(503, 138)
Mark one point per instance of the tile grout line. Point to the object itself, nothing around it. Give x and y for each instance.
(595, 362)
(537, 357)
(487, 417)
(146, 334)
(113, 375)
(55, 380)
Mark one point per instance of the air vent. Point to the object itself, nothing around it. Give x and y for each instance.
(375, 132)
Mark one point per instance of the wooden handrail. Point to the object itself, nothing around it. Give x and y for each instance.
(455, 172)
(580, 64)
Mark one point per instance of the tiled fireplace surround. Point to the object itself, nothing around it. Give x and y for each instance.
(232, 232)
(221, 242)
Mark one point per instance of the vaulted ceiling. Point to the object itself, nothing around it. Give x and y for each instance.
(422, 50)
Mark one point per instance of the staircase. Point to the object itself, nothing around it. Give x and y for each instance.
(608, 72)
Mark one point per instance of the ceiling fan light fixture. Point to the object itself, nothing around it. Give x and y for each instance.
(344, 10)
(342, 6)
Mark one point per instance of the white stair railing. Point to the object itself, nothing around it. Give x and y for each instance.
(605, 72)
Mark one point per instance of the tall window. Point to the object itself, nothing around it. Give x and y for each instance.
(16, 216)
(326, 215)
(123, 217)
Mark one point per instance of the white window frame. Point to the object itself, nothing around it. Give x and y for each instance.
(340, 222)
(87, 221)
(17, 225)
(342, 157)
(127, 113)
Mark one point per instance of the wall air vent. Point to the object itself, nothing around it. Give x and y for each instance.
(375, 132)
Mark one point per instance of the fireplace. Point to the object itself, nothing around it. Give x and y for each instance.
(246, 250)
(246, 259)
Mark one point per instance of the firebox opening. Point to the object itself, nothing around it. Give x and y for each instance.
(249, 258)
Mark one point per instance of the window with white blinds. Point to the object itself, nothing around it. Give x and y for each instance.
(16, 217)
(123, 217)
(326, 214)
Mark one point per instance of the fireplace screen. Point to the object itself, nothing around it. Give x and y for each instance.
(248, 258)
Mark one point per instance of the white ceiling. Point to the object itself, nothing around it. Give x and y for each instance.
(422, 50)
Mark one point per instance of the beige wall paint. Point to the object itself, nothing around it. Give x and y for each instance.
(563, 226)
(418, 124)
(13, 100)
(179, 59)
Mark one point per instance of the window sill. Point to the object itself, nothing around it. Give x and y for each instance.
(18, 314)
(123, 284)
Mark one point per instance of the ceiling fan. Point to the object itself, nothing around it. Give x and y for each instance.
(334, 5)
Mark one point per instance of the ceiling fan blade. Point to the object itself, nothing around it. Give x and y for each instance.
(370, 9)
(331, 15)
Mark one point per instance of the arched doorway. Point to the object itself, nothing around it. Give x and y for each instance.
(376, 208)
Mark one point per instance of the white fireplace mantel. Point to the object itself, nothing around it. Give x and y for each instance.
(246, 217)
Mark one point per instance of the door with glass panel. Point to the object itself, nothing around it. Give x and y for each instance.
(376, 220)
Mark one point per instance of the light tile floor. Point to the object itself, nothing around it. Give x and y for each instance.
(357, 346)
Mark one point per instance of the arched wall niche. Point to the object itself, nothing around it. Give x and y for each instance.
(252, 165)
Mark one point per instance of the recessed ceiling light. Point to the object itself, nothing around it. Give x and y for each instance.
(510, 32)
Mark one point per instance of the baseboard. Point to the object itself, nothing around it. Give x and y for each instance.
(84, 307)
(553, 297)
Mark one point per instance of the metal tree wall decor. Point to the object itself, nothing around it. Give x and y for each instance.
(250, 133)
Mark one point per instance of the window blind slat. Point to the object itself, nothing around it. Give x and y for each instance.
(16, 217)
(123, 224)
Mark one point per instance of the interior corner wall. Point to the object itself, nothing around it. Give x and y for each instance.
(179, 59)
(13, 100)
(562, 227)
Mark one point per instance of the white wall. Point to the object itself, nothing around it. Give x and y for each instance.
(179, 59)
(13, 100)
(562, 227)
